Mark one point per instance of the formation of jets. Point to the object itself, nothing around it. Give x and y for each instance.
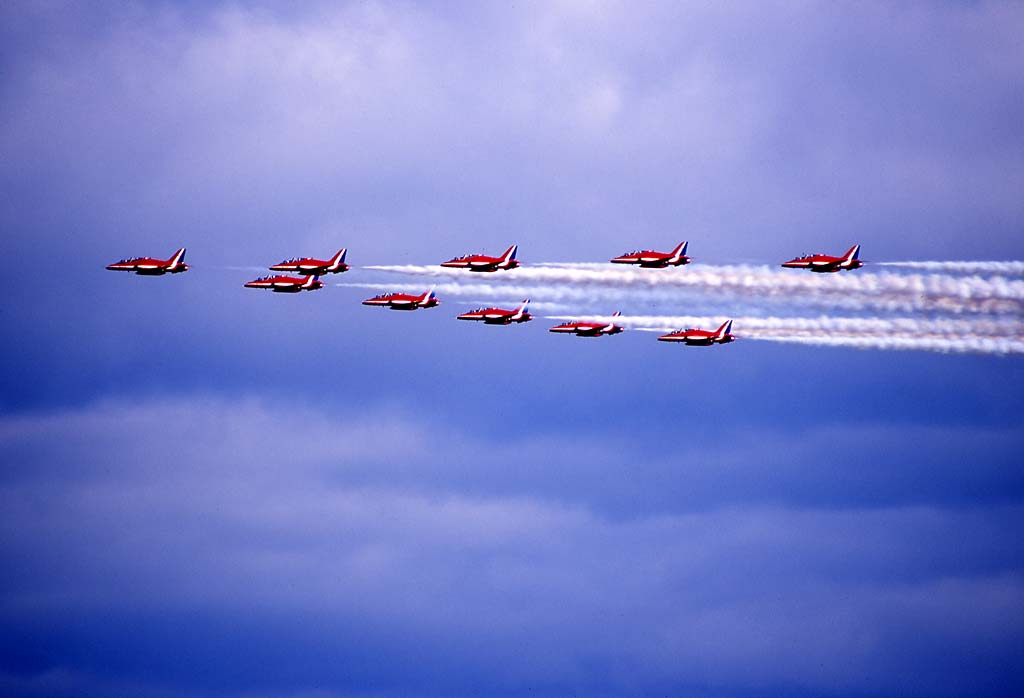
(311, 270)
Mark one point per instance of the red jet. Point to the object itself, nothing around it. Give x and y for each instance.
(655, 260)
(287, 284)
(588, 329)
(481, 262)
(498, 316)
(308, 265)
(404, 301)
(701, 338)
(823, 263)
(148, 266)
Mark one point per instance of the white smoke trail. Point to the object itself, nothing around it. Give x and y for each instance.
(484, 294)
(882, 291)
(969, 344)
(770, 279)
(939, 327)
(587, 294)
(999, 346)
(964, 345)
(1011, 268)
(978, 336)
(982, 335)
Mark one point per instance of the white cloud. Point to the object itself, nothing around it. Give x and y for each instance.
(234, 506)
(601, 115)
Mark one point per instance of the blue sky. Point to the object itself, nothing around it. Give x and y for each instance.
(211, 491)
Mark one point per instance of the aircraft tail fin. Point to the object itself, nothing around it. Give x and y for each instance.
(852, 254)
(428, 295)
(178, 258)
(724, 330)
(523, 308)
(339, 258)
(510, 254)
(310, 280)
(680, 251)
(611, 325)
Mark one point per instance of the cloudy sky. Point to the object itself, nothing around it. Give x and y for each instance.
(212, 491)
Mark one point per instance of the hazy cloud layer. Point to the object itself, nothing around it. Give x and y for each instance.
(566, 126)
(232, 511)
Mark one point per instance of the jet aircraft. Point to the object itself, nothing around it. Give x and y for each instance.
(499, 316)
(148, 266)
(655, 260)
(823, 263)
(481, 262)
(404, 301)
(308, 265)
(589, 329)
(701, 338)
(287, 284)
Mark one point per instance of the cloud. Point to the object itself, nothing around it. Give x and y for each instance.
(415, 128)
(227, 509)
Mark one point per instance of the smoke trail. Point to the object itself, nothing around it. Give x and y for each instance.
(588, 294)
(763, 278)
(940, 327)
(882, 291)
(1011, 268)
(981, 335)
(484, 294)
(999, 346)
(977, 335)
(969, 340)
(964, 345)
